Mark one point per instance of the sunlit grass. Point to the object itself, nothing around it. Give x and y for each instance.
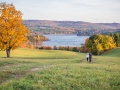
(113, 53)
(33, 53)
(66, 71)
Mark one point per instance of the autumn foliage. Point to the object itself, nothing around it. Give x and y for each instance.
(12, 30)
(98, 43)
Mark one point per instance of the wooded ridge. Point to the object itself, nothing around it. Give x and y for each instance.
(71, 27)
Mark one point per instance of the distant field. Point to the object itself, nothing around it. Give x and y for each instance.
(31, 69)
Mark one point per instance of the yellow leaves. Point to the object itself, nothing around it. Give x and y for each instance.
(12, 30)
(100, 43)
(99, 47)
(13, 48)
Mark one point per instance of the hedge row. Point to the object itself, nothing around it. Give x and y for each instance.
(66, 48)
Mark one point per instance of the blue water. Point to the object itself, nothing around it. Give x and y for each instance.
(65, 40)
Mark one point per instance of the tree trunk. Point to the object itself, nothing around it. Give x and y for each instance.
(8, 52)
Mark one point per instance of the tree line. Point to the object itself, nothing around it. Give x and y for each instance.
(65, 48)
(98, 43)
(71, 27)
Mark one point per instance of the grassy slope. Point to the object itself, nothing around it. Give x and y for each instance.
(68, 70)
(33, 53)
(113, 53)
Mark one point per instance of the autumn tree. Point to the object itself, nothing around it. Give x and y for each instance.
(23, 45)
(12, 30)
(116, 37)
(98, 43)
(85, 48)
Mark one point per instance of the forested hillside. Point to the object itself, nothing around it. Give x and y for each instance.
(71, 27)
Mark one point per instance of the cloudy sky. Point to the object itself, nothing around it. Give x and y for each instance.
(69, 10)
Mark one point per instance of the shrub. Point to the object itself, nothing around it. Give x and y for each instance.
(70, 49)
(47, 48)
(55, 47)
(41, 47)
(61, 48)
(67, 48)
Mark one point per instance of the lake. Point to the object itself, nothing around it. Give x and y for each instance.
(65, 40)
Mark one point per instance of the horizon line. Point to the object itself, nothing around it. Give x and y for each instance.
(70, 21)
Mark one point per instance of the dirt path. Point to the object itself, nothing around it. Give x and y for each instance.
(27, 72)
(85, 61)
(33, 70)
(40, 68)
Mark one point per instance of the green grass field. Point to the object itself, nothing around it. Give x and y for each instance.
(31, 69)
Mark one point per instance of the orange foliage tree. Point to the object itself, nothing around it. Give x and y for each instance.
(23, 45)
(12, 30)
(86, 49)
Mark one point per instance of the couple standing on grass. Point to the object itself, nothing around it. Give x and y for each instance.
(89, 57)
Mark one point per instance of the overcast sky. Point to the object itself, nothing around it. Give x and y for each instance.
(69, 10)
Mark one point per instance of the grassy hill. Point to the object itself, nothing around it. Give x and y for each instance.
(30, 69)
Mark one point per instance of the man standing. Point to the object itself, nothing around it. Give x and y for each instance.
(90, 57)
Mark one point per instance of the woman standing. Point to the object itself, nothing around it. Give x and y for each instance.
(87, 56)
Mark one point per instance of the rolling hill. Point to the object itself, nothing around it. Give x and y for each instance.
(70, 27)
